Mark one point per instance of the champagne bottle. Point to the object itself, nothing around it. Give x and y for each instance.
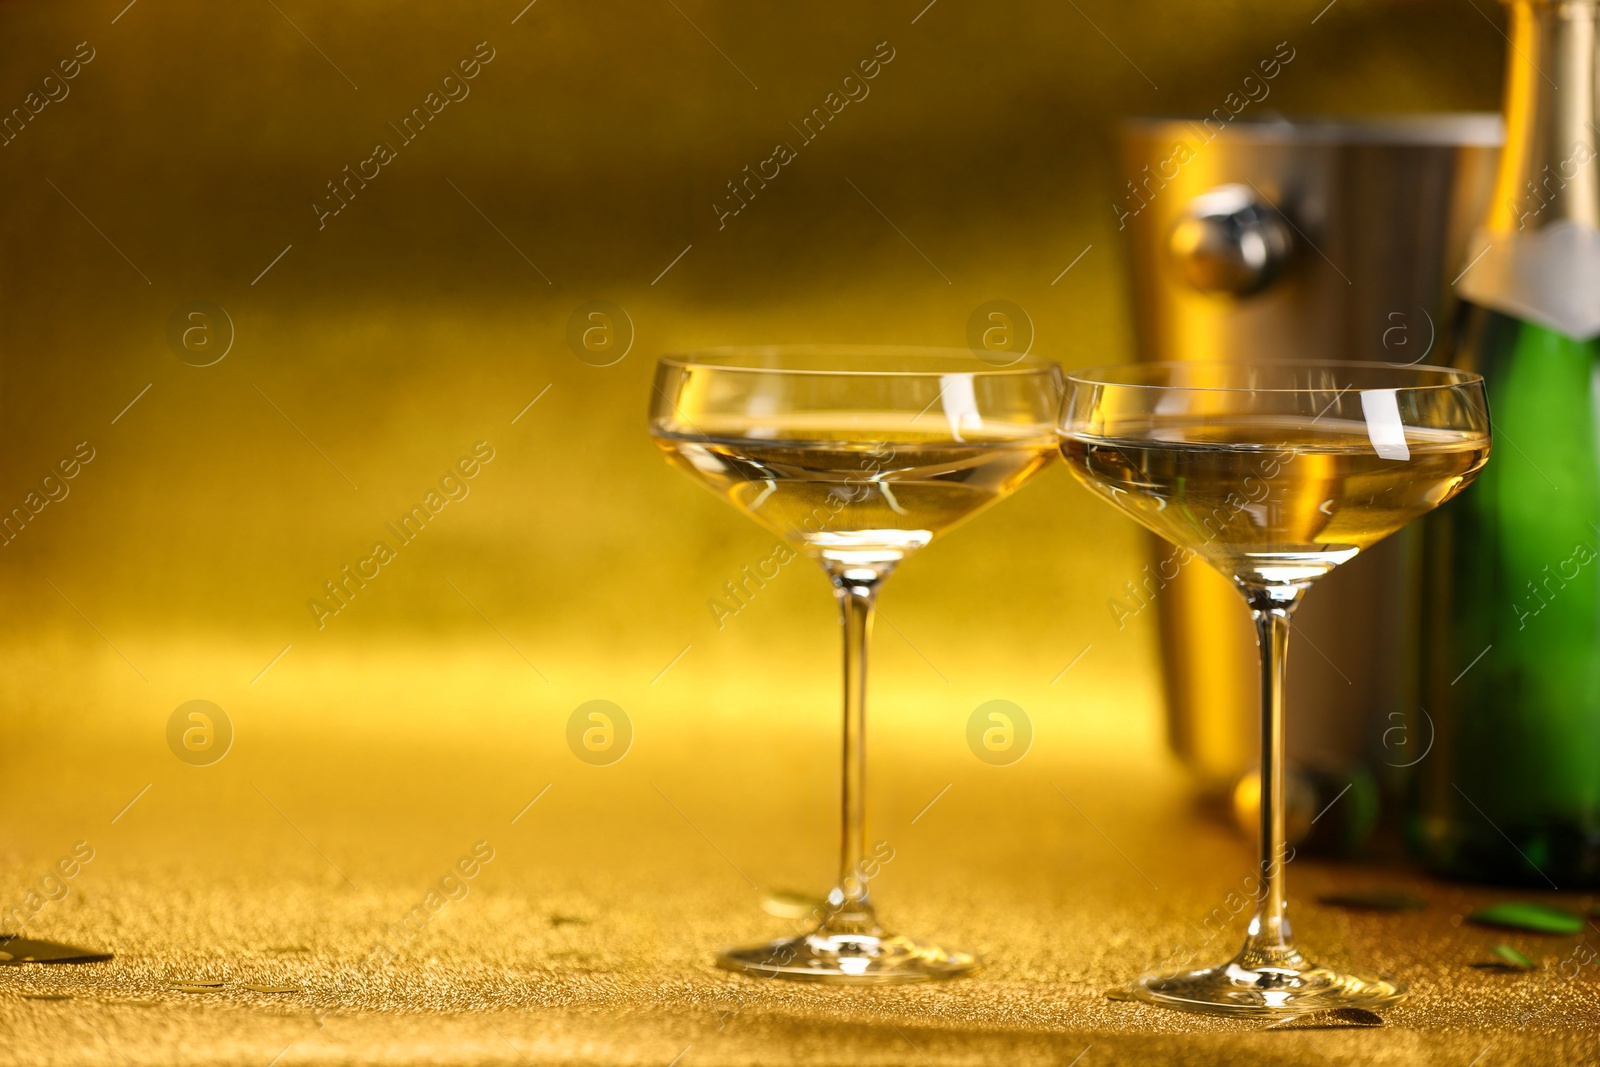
(1509, 790)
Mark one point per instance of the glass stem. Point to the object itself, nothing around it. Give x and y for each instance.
(1270, 941)
(850, 908)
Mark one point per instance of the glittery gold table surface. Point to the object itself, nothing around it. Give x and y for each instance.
(345, 363)
(587, 901)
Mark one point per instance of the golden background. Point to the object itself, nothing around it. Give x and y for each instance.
(370, 354)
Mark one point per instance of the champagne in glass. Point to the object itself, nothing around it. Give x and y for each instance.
(1274, 474)
(857, 457)
(881, 489)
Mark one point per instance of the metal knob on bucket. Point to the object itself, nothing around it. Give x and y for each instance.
(1228, 241)
(1282, 240)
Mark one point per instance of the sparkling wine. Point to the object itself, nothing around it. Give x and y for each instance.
(870, 494)
(1272, 501)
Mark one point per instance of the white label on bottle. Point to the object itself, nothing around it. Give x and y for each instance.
(1384, 428)
(1549, 275)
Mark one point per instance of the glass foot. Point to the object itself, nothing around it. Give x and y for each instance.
(848, 959)
(1265, 991)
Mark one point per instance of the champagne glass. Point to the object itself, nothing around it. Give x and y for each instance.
(1274, 474)
(857, 457)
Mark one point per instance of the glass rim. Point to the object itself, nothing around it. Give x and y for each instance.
(1104, 376)
(724, 358)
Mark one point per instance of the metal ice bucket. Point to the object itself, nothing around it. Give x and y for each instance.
(1273, 240)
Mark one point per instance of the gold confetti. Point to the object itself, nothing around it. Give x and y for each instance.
(26, 950)
(1328, 1019)
(792, 904)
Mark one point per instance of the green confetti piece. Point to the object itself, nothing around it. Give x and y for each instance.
(1376, 899)
(1521, 915)
(1513, 957)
